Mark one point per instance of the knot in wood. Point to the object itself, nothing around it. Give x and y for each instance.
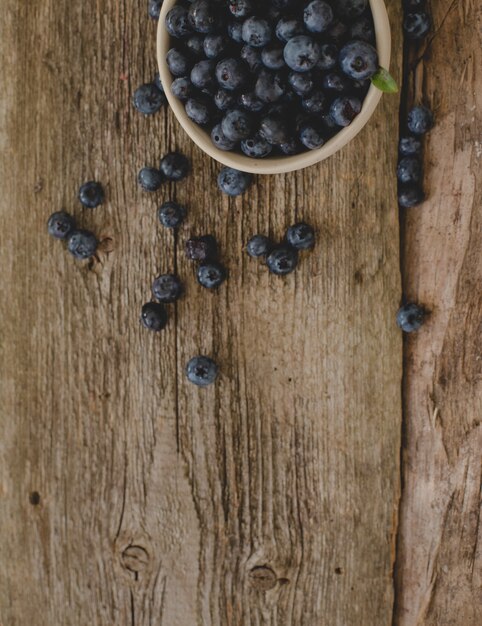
(135, 558)
(262, 578)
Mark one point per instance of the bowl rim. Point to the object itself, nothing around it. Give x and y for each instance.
(281, 164)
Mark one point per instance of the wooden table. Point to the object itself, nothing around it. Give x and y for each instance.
(127, 496)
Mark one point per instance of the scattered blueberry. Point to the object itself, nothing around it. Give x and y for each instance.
(150, 179)
(148, 98)
(201, 248)
(410, 195)
(91, 194)
(359, 60)
(211, 274)
(201, 371)
(344, 110)
(409, 170)
(301, 236)
(410, 317)
(167, 288)
(154, 8)
(282, 260)
(82, 244)
(60, 224)
(174, 166)
(409, 146)
(417, 25)
(258, 246)
(419, 120)
(171, 214)
(153, 316)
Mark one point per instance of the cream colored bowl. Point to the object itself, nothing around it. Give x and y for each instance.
(280, 164)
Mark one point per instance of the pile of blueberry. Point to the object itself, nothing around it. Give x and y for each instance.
(282, 259)
(274, 76)
(173, 167)
(81, 243)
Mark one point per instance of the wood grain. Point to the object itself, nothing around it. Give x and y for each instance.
(129, 497)
(439, 566)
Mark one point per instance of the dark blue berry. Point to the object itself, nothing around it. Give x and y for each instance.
(251, 102)
(237, 125)
(410, 195)
(256, 147)
(301, 53)
(177, 62)
(195, 45)
(270, 86)
(197, 110)
(335, 82)
(203, 16)
(167, 288)
(290, 147)
(337, 31)
(231, 74)
(148, 98)
(233, 182)
(301, 236)
(91, 194)
(410, 317)
(150, 179)
(359, 60)
(177, 22)
(256, 32)
(311, 136)
(318, 16)
(419, 120)
(287, 28)
(202, 371)
(60, 224)
(224, 100)
(154, 8)
(202, 74)
(344, 110)
(215, 45)
(175, 166)
(417, 25)
(301, 84)
(211, 274)
(235, 31)
(363, 29)
(240, 8)
(274, 128)
(272, 57)
(220, 140)
(201, 248)
(282, 260)
(258, 246)
(252, 57)
(328, 56)
(182, 88)
(314, 103)
(409, 146)
(409, 170)
(171, 214)
(82, 244)
(351, 8)
(153, 316)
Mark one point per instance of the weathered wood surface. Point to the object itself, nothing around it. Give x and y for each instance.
(128, 496)
(439, 565)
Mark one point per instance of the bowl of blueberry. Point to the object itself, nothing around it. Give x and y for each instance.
(272, 86)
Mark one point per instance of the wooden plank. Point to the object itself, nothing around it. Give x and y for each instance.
(128, 496)
(439, 579)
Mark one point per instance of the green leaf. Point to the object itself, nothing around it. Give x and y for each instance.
(383, 80)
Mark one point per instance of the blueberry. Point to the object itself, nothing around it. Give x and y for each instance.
(314, 103)
(256, 32)
(328, 56)
(201, 248)
(272, 57)
(60, 224)
(91, 194)
(224, 100)
(82, 244)
(215, 45)
(318, 16)
(233, 182)
(167, 288)
(153, 316)
(270, 86)
(235, 31)
(419, 120)
(148, 99)
(359, 60)
(171, 214)
(302, 84)
(211, 274)
(409, 170)
(410, 317)
(258, 246)
(175, 166)
(311, 136)
(274, 129)
(150, 179)
(251, 102)
(201, 371)
(252, 57)
(240, 8)
(203, 16)
(177, 62)
(195, 45)
(282, 260)
(202, 74)
(290, 147)
(301, 53)
(177, 22)
(351, 8)
(408, 146)
(198, 111)
(287, 28)
(237, 125)
(335, 82)
(220, 140)
(230, 74)
(301, 236)
(154, 8)
(256, 147)
(181, 88)
(344, 110)
(363, 29)
(409, 196)
(337, 31)
(417, 25)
